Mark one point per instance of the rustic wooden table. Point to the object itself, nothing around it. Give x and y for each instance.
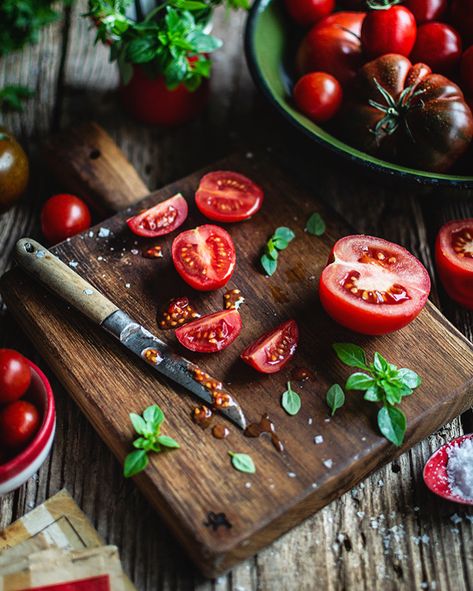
(388, 532)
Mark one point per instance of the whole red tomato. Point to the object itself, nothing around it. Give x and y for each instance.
(426, 10)
(439, 46)
(19, 422)
(461, 13)
(63, 216)
(388, 29)
(466, 70)
(318, 95)
(15, 375)
(333, 46)
(406, 114)
(308, 12)
(150, 101)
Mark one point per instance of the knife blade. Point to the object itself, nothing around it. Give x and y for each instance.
(70, 286)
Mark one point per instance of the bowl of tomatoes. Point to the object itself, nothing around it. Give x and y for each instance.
(385, 85)
(27, 419)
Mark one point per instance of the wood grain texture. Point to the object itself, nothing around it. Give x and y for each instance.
(368, 539)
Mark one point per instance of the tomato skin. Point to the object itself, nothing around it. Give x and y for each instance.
(228, 322)
(150, 223)
(439, 46)
(466, 71)
(15, 376)
(308, 12)
(14, 170)
(456, 273)
(426, 10)
(258, 354)
(391, 30)
(333, 46)
(318, 95)
(64, 216)
(461, 14)
(19, 422)
(227, 196)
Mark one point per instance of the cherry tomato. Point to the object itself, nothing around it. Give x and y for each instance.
(19, 422)
(308, 12)
(373, 286)
(161, 219)
(426, 10)
(439, 46)
(204, 257)
(15, 375)
(226, 196)
(454, 259)
(318, 95)
(63, 216)
(461, 13)
(333, 46)
(210, 333)
(466, 70)
(273, 350)
(388, 30)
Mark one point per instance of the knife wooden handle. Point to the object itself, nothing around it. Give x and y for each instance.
(41, 264)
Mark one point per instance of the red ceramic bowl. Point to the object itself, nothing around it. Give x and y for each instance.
(435, 471)
(22, 466)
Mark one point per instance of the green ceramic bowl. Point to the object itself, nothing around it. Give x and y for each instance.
(270, 42)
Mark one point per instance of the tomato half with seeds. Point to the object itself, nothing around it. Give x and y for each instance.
(211, 333)
(204, 257)
(161, 219)
(454, 259)
(373, 286)
(225, 196)
(272, 351)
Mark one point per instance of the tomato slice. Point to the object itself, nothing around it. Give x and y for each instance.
(204, 257)
(225, 196)
(160, 219)
(454, 258)
(274, 349)
(373, 286)
(210, 333)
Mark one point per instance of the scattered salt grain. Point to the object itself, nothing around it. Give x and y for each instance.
(328, 463)
(363, 439)
(100, 258)
(103, 233)
(134, 251)
(73, 264)
(380, 482)
(310, 421)
(249, 155)
(128, 285)
(314, 485)
(87, 292)
(455, 518)
(318, 439)
(460, 469)
(91, 234)
(247, 484)
(327, 420)
(291, 474)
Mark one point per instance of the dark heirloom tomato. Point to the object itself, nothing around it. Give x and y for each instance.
(318, 95)
(333, 46)
(210, 333)
(226, 196)
(426, 10)
(204, 257)
(14, 170)
(454, 259)
(15, 375)
(308, 12)
(274, 349)
(161, 219)
(388, 30)
(406, 114)
(439, 46)
(373, 286)
(19, 422)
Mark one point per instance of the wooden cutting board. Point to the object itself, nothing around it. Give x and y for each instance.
(188, 485)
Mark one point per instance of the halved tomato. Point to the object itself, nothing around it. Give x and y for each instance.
(274, 349)
(204, 257)
(373, 286)
(160, 219)
(210, 333)
(454, 259)
(226, 196)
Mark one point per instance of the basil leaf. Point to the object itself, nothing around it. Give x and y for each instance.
(154, 416)
(271, 250)
(279, 242)
(291, 401)
(315, 225)
(351, 355)
(359, 381)
(335, 397)
(135, 462)
(167, 441)
(139, 424)
(409, 378)
(269, 265)
(142, 443)
(284, 233)
(141, 50)
(242, 462)
(380, 364)
(392, 424)
(203, 43)
(393, 391)
(373, 394)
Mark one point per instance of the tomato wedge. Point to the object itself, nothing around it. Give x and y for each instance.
(160, 219)
(274, 349)
(454, 259)
(204, 257)
(225, 196)
(211, 333)
(373, 286)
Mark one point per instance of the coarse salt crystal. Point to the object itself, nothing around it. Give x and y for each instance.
(318, 439)
(134, 251)
(127, 285)
(310, 421)
(103, 233)
(328, 463)
(247, 484)
(291, 474)
(460, 469)
(91, 234)
(73, 264)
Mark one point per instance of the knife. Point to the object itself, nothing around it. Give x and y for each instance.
(41, 264)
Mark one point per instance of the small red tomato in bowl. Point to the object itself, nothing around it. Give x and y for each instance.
(454, 260)
(426, 10)
(19, 422)
(64, 216)
(439, 46)
(161, 219)
(308, 12)
(319, 96)
(15, 375)
(388, 29)
(274, 349)
(210, 333)
(373, 286)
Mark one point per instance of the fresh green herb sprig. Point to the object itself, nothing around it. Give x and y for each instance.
(148, 427)
(12, 97)
(382, 382)
(291, 401)
(315, 225)
(279, 241)
(242, 462)
(335, 397)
